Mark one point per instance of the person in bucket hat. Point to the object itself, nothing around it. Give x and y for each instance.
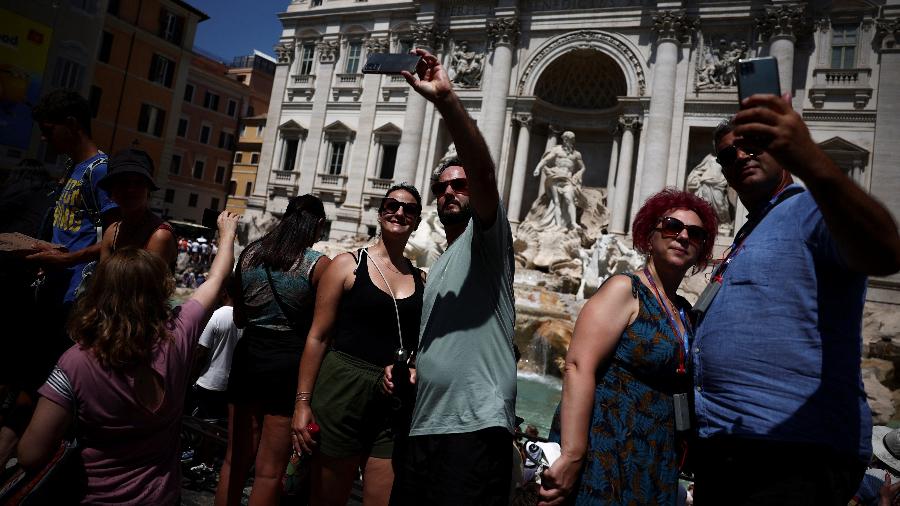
(881, 482)
(129, 181)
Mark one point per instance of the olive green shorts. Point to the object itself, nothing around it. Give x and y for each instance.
(353, 413)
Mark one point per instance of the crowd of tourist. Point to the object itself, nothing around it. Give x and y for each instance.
(376, 370)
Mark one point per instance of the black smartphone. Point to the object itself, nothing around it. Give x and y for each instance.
(211, 218)
(390, 63)
(758, 75)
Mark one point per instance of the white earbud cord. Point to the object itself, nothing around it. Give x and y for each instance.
(393, 298)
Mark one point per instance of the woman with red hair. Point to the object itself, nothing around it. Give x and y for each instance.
(627, 368)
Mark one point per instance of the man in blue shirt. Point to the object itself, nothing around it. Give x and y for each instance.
(64, 118)
(781, 411)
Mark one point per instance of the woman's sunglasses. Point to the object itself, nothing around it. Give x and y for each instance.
(459, 185)
(670, 227)
(727, 156)
(391, 206)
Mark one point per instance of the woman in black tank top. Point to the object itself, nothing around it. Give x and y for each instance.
(368, 306)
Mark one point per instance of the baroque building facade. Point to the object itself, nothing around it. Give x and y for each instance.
(641, 84)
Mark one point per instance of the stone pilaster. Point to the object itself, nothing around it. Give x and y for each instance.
(672, 29)
(328, 54)
(630, 125)
(885, 178)
(503, 33)
(520, 166)
(780, 26)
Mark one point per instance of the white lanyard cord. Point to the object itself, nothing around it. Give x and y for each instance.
(393, 298)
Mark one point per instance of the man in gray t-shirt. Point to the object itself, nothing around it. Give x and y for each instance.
(460, 445)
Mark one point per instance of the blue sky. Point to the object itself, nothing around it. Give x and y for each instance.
(237, 27)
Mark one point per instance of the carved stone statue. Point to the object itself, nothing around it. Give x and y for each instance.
(466, 66)
(429, 241)
(563, 169)
(718, 65)
(449, 155)
(608, 256)
(707, 182)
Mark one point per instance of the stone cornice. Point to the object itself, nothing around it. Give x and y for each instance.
(674, 26)
(503, 31)
(840, 116)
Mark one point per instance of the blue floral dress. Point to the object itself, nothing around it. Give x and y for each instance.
(631, 456)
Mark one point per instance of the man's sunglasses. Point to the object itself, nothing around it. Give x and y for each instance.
(670, 227)
(728, 156)
(459, 185)
(391, 206)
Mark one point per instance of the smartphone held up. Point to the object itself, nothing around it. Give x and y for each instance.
(758, 76)
(391, 63)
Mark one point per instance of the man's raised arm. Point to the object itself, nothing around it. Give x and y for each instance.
(431, 81)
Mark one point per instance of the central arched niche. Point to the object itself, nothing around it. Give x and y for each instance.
(582, 79)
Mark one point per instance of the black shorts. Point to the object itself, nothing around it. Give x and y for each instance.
(456, 469)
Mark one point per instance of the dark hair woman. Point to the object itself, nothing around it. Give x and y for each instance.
(123, 384)
(369, 307)
(275, 291)
(627, 361)
(129, 181)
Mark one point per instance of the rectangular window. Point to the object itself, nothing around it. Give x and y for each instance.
(232, 107)
(214, 203)
(204, 134)
(249, 188)
(152, 120)
(353, 53)
(220, 174)
(232, 187)
(388, 160)
(170, 195)
(188, 93)
(211, 101)
(67, 74)
(162, 70)
(182, 127)
(843, 46)
(229, 141)
(306, 59)
(94, 99)
(198, 169)
(336, 162)
(171, 26)
(106, 44)
(221, 143)
(290, 152)
(239, 157)
(175, 166)
(192, 200)
(254, 158)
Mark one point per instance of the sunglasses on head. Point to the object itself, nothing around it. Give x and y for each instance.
(391, 205)
(728, 155)
(459, 185)
(670, 227)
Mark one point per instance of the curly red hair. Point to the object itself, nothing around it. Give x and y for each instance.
(667, 200)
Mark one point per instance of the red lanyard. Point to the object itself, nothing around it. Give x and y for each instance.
(681, 369)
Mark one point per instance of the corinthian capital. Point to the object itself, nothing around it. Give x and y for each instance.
(674, 25)
(328, 50)
(284, 51)
(782, 21)
(887, 33)
(503, 31)
(428, 36)
(630, 122)
(522, 119)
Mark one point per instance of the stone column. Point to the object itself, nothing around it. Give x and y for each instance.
(615, 131)
(630, 125)
(780, 26)
(426, 36)
(553, 132)
(520, 167)
(671, 28)
(502, 34)
(885, 178)
(328, 51)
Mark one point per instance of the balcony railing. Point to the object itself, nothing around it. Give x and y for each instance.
(284, 175)
(303, 80)
(332, 180)
(842, 78)
(379, 185)
(348, 80)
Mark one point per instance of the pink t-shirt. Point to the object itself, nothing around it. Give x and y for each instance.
(131, 454)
